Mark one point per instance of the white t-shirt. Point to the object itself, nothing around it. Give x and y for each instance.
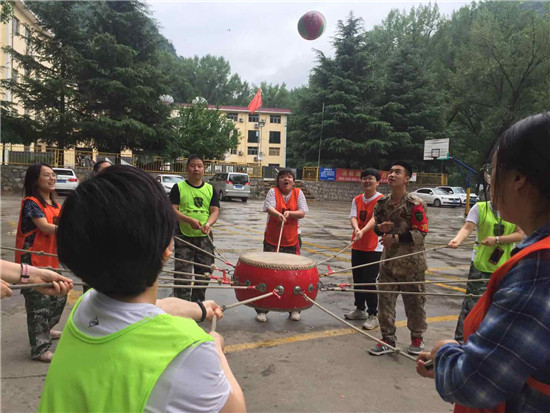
(271, 202)
(194, 368)
(353, 214)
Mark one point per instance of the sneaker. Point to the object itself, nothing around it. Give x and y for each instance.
(371, 323)
(356, 315)
(417, 346)
(45, 357)
(380, 349)
(55, 334)
(261, 317)
(295, 316)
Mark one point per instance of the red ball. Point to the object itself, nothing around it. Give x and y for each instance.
(311, 25)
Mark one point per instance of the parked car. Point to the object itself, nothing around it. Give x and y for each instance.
(231, 185)
(168, 181)
(437, 197)
(461, 193)
(66, 180)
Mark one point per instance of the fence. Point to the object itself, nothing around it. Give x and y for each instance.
(78, 158)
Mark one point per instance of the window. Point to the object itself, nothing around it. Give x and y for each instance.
(16, 26)
(233, 151)
(423, 191)
(274, 137)
(275, 119)
(252, 136)
(233, 116)
(274, 151)
(254, 118)
(252, 150)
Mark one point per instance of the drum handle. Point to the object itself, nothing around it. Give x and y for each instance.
(280, 236)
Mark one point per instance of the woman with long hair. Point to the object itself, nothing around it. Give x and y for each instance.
(504, 363)
(36, 232)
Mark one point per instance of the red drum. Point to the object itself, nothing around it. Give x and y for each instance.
(289, 274)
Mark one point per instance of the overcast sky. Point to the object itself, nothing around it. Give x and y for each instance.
(260, 39)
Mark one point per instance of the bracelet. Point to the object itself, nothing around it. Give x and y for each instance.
(24, 273)
(203, 309)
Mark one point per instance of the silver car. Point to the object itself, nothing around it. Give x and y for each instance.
(231, 185)
(437, 197)
(66, 180)
(461, 193)
(168, 181)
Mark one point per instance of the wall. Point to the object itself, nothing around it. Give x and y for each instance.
(13, 177)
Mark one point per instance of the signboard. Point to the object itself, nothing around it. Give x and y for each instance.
(327, 174)
(348, 175)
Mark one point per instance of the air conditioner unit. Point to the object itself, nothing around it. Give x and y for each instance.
(241, 120)
(240, 153)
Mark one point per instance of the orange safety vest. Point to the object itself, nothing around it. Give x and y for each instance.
(42, 242)
(290, 229)
(369, 241)
(478, 313)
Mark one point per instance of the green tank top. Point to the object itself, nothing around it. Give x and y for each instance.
(487, 221)
(117, 372)
(195, 203)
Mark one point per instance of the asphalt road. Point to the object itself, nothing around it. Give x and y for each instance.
(315, 365)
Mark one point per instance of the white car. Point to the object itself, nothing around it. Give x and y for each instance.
(437, 197)
(461, 193)
(168, 181)
(66, 180)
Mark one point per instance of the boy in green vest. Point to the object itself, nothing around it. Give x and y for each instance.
(495, 240)
(133, 353)
(197, 208)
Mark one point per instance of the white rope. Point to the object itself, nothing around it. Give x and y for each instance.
(47, 254)
(344, 290)
(335, 255)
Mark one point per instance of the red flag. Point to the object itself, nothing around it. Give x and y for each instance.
(256, 102)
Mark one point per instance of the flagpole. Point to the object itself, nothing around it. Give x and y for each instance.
(320, 139)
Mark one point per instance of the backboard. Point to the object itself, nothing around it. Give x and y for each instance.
(436, 149)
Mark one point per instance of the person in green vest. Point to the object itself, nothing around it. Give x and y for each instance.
(495, 240)
(122, 350)
(197, 207)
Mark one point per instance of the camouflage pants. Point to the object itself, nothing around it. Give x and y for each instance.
(469, 302)
(414, 305)
(43, 313)
(188, 253)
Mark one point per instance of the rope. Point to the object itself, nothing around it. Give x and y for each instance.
(188, 273)
(396, 349)
(389, 259)
(47, 254)
(280, 236)
(177, 280)
(217, 251)
(203, 251)
(214, 322)
(343, 290)
(335, 255)
(250, 300)
(210, 267)
(406, 283)
(228, 287)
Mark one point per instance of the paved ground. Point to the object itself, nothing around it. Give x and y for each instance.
(315, 365)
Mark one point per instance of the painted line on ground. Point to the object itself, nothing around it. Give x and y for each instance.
(235, 348)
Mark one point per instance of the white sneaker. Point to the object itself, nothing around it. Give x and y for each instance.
(371, 323)
(295, 316)
(261, 317)
(356, 315)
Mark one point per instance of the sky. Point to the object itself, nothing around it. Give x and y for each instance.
(260, 39)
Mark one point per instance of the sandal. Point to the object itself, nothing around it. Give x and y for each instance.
(56, 334)
(45, 357)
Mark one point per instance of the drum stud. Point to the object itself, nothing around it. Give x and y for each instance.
(262, 287)
(297, 290)
(310, 288)
(280, 289)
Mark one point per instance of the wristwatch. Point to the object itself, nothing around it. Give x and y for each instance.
(24, 273)
(497, 239)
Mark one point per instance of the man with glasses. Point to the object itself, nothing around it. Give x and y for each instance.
(495, 240)
(366, 248)
(401, 221)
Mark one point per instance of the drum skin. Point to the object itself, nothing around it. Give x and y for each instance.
(269, 271)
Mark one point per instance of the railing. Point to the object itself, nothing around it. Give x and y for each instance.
(310, 173)
(85, 159)
(429, 178)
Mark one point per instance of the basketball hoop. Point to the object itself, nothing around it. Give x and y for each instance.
(435, 153)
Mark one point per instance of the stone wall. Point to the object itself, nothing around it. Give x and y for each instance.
(13, 177)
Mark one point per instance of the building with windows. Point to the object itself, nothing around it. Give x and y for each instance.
(262, 135)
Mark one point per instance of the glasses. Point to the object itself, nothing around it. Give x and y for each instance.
(487, 172)
(49, 176)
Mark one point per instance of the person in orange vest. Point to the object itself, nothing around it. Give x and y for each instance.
(504, 363)
(36, 232)
(284, 205)
(366, 248)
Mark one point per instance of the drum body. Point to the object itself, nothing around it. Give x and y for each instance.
(291, 275)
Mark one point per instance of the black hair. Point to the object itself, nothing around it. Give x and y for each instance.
(371, 172)
(406, 165)
(525, 147)
(97, 165)
(192, 158)
(30, 188)
(283, 172)
(114, 229)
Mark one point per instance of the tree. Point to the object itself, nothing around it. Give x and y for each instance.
(204, 131)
